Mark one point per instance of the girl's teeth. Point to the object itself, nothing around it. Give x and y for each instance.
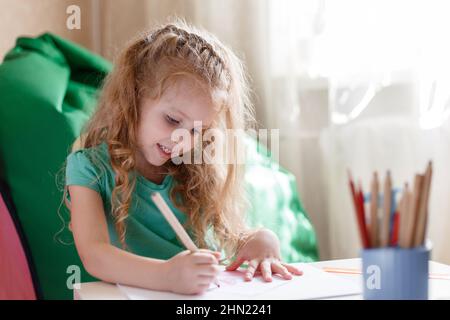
(164, 149)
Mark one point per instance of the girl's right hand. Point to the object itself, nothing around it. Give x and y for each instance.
(192, 272)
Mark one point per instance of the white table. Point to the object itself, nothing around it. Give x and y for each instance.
(439, 289)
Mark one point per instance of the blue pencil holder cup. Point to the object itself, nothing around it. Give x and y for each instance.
(394, 273)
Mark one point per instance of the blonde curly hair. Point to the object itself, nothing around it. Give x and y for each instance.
(212, 195)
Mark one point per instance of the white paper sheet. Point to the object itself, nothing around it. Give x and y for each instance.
(313, 284)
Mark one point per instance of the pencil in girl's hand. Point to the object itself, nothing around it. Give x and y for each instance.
(175, 224)
(173, 221)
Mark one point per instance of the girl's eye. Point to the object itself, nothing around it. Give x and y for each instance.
(172, 120)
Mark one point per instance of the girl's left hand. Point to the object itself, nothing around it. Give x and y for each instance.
(262, 252)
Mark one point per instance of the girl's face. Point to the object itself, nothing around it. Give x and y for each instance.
(181, 104)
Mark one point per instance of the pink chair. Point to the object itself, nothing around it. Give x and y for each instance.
(15, 277)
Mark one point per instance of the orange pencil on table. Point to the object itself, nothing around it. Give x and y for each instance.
(439, 276)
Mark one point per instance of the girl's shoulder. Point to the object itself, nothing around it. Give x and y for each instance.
(93, 156)
(88, 164)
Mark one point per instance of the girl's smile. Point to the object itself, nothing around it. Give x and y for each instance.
(164, 151)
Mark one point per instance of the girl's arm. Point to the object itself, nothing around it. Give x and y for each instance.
(101, 259)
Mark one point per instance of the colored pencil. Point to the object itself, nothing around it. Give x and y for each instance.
(175, 224)
(362, 213)
(394, 234)
(438, 276)
(387, 200)
(399, 222)
(374, 211)
(404, 211)
(419, 235)
(359, 216)
(413, 210)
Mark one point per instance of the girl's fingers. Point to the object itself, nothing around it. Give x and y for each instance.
(210, 270)
(203, 287)
(184, 253)
(235, 264)
(292, 269)
(266, 270)
(216, 254)
(203, 257)
(277, 267)
(251, 269)
(205, 280)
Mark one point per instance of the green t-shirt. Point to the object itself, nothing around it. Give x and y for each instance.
(147, 232)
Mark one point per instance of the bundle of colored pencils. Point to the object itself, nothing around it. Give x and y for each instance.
(393, 223)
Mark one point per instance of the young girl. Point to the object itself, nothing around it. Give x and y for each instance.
(176, 77)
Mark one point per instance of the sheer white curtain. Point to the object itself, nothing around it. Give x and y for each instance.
(351, 84)
(388, 69)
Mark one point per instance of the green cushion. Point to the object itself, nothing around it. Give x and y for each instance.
(275, 204)
(48, 89)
